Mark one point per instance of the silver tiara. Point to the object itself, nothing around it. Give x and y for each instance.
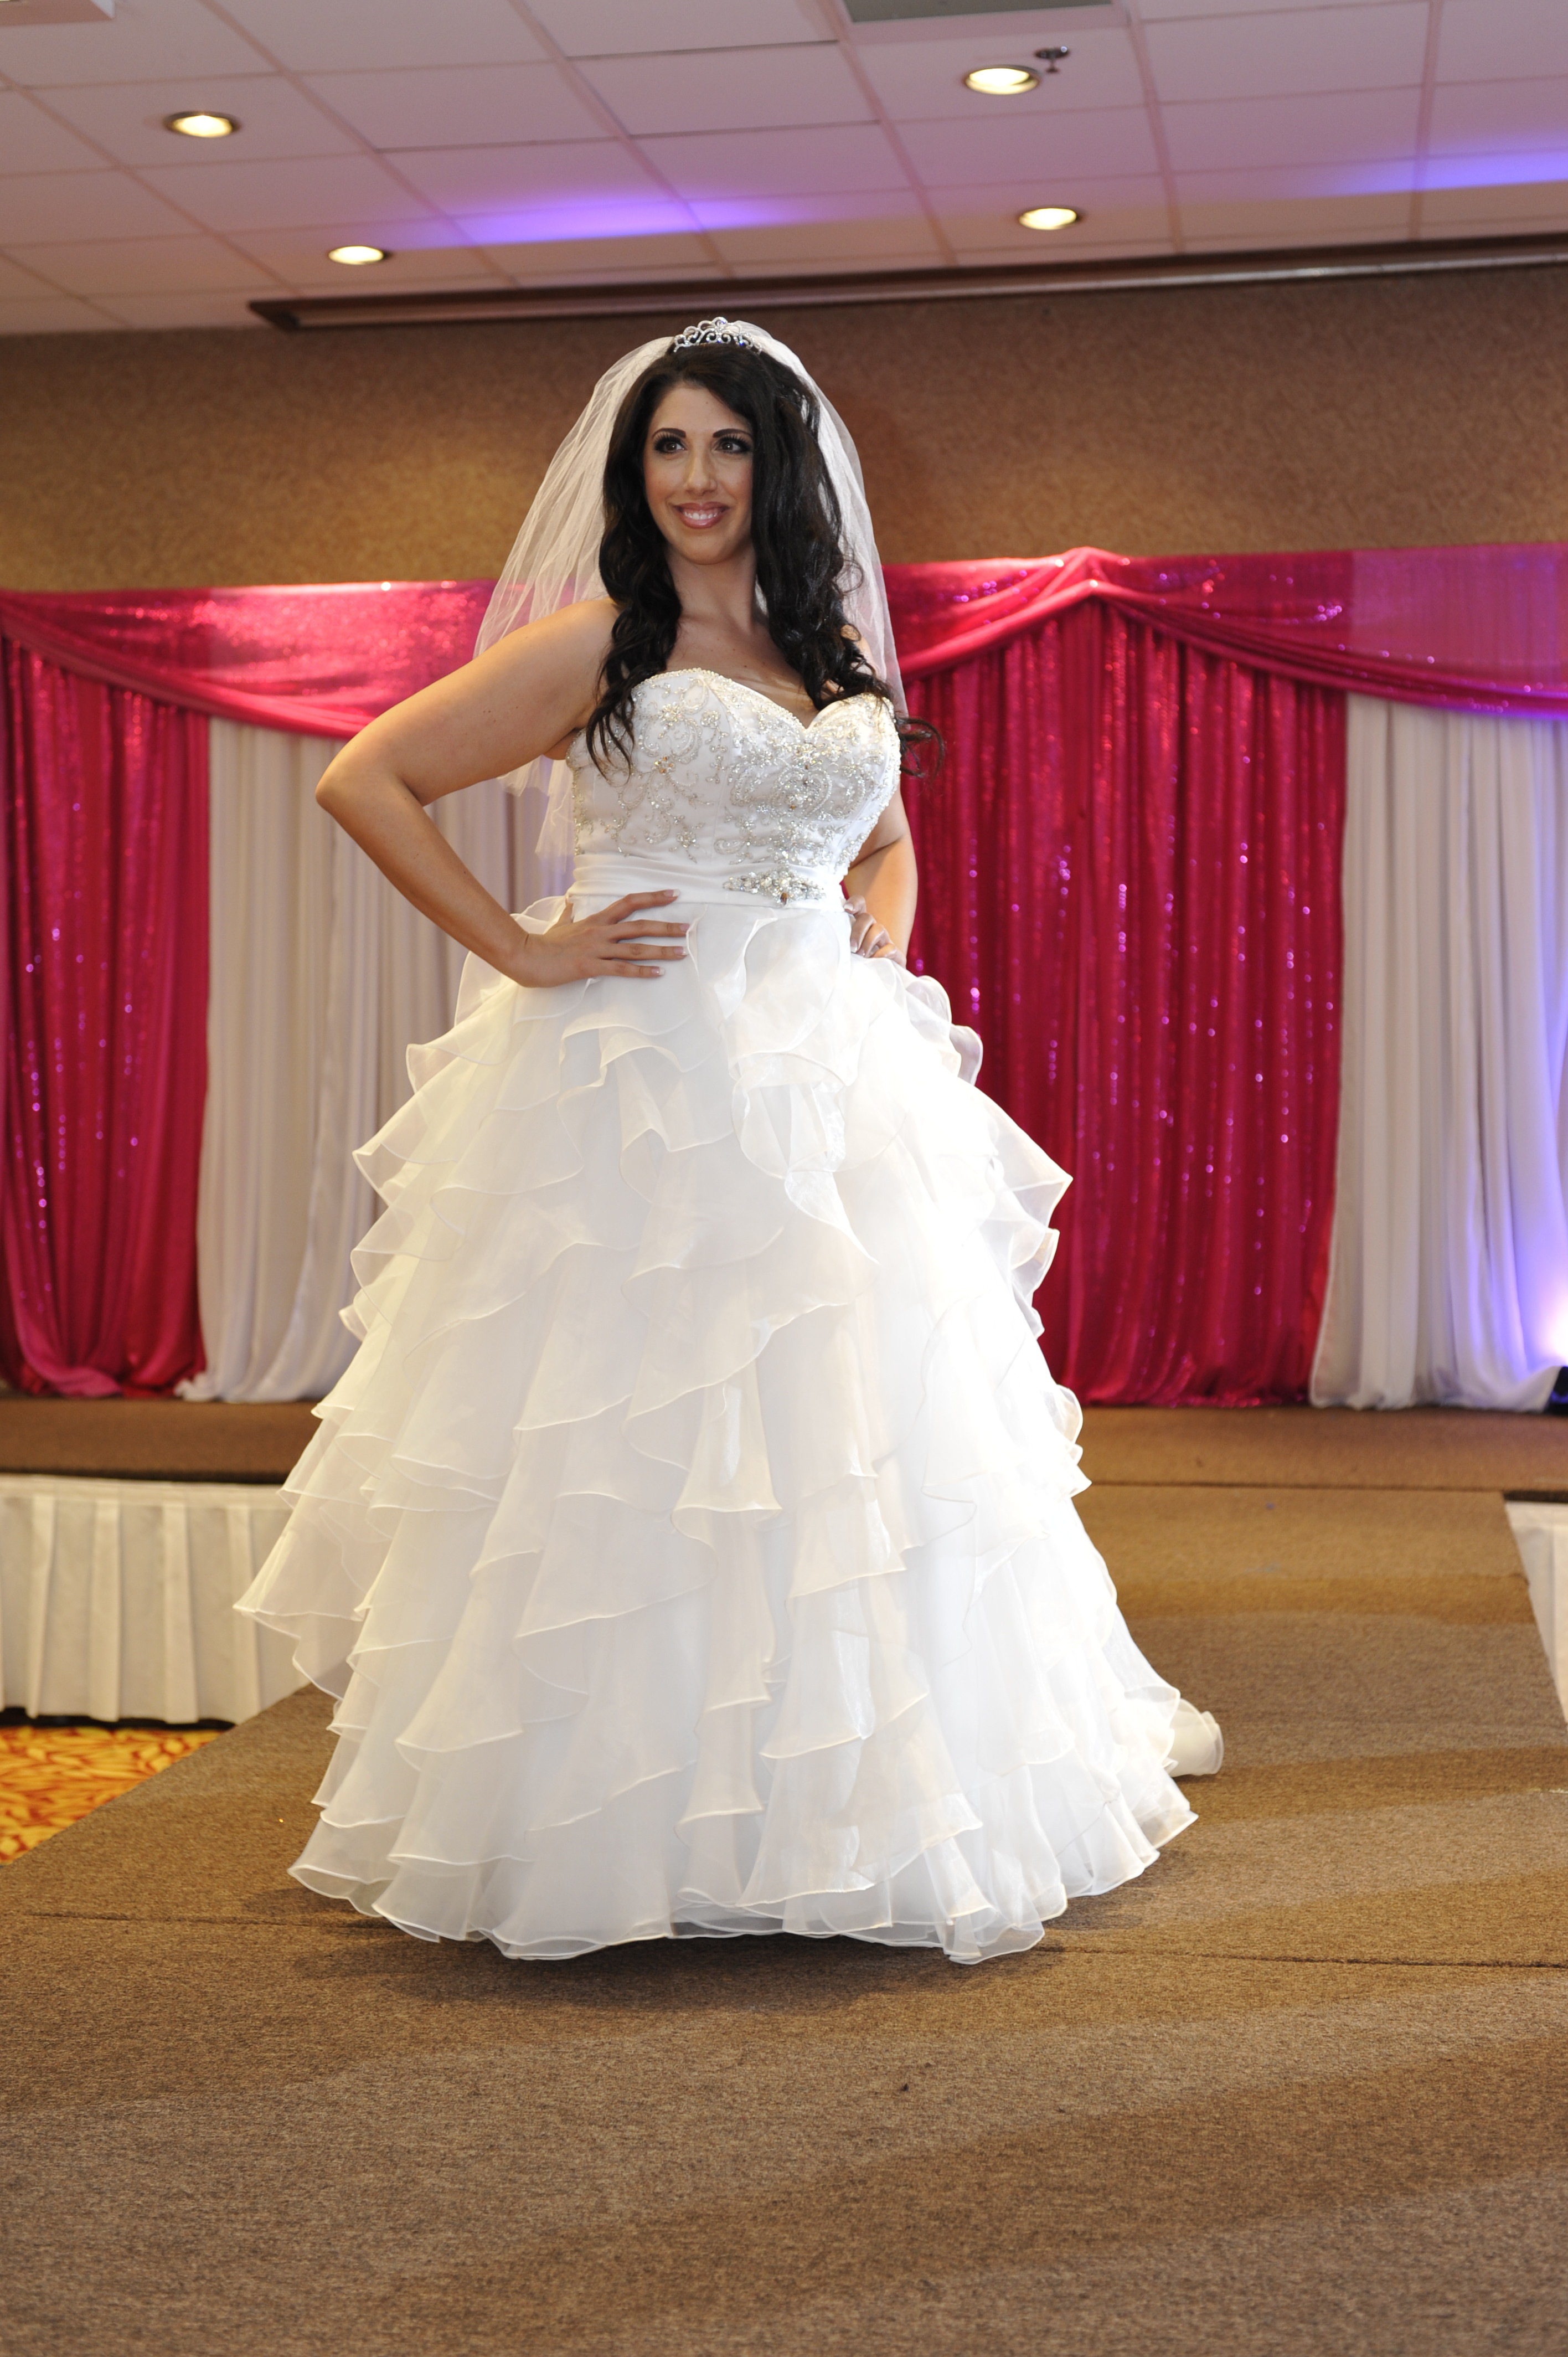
(711, 331)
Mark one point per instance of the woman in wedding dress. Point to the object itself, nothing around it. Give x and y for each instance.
(691, 1543)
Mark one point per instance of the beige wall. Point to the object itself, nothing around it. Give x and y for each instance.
(1332, 416)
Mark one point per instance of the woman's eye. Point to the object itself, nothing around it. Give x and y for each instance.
(666, 445)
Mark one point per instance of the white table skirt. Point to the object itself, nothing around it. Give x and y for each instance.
(1541, 1533)
(116, 1598)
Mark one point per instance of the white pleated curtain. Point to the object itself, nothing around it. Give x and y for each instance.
(1449, 1273)
(320, 976)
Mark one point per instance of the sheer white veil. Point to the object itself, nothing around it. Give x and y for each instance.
(555, 560)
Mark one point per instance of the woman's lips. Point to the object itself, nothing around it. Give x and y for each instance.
(700, 519)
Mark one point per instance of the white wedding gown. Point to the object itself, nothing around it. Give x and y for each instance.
(690, 1542)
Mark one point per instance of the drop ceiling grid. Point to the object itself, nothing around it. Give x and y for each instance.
(524, 141)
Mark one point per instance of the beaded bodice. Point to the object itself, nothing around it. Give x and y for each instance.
(724, 779)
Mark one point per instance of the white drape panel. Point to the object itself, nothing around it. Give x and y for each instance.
(321, 976)
(116, 1598)
(1449, 1274)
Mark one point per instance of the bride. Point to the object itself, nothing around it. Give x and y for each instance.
(690, 1542)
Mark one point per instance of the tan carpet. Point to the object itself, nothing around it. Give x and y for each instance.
(1303, 2089)
(153, 1440)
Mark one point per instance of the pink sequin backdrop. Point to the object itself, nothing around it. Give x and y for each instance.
(1166, 1028)
(1129, 885)
(104, 891)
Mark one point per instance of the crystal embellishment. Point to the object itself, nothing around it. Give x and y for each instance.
(757, 800)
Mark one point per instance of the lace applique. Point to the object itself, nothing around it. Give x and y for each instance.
(725, 776)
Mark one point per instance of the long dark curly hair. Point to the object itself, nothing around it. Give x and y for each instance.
(797, 534)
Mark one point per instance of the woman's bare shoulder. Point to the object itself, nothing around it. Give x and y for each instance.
(577, 636)
(551, 667)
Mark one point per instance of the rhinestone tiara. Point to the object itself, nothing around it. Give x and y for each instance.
(711, 331)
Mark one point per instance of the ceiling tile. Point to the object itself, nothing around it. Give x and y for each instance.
(1279, 183)
(1295, 51)
(324, 36)
(1300, 220)
(832, 245)
(1085, 193)
(730, 90)
(614, 28)
(298, 257)
(1354, 128)
(274, 120)
(1501, 118)
(584, 221)
(716, 213)
(1495, 40)
(18, 285)
(460, 106)
(216, 310)
(1526, 225)
(52, 206)
(49, 314)
(573, 275)
(144, 265)
(1041, 247)
(921, 81)
(280, 196)
(1152, 11)
(971, 230)
(624, 257)
(143, 39)
(474, 179)
(29, 142)
(1027, 147)
(743, 164)
(1495, 207)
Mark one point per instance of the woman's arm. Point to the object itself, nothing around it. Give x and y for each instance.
(883, 886)
(525, 697)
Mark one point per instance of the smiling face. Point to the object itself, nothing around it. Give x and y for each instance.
(696, 471)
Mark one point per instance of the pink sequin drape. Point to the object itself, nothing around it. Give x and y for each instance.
(103, 887)
(1129, 885)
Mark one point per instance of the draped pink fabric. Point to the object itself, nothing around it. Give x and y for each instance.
(1129, 885)
(319, 661)
(1482, 629)
(104, 884)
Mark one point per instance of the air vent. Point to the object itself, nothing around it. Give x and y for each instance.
(55, 12)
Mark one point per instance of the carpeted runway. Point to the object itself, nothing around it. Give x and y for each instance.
(1303, 2089)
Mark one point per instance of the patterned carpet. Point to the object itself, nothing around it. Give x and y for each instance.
(51, 1775)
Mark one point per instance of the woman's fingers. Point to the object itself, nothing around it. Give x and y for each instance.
(629, 902)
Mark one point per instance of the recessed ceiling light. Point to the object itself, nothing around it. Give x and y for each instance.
(199, 125)
(1048, 217)
(357, 255)
(1002, 81)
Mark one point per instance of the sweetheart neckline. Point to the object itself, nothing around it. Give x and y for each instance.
(701, 670)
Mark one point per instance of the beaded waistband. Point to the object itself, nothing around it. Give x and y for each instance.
(604, 875)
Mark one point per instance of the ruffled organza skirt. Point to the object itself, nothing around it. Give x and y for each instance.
(691, 1543)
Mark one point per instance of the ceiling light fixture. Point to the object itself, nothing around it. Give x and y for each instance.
(1051, 58)
(356, 255)
(1048, 217)
(1002, 81)
(201, 125)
